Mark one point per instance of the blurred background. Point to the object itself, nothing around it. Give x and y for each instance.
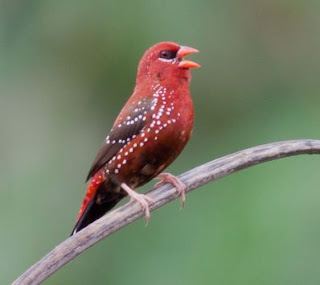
(66, 69)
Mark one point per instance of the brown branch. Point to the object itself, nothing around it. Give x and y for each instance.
(130, 212)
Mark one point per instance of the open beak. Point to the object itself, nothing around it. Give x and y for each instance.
(184, 51)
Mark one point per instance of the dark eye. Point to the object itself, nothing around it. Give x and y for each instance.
(168, 54)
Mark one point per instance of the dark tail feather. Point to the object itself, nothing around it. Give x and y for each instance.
(93, 212)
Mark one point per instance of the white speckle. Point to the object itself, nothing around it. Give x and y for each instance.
(136, 119)
(148, 130)
(113, 141)
(124, 161)
(145, 139)
(141, 144)
(158, 123)
(120, 125)
(168, 113)
(116, 171)
(119, 165)
(107, 141)
(143, 134)
(135, 145)
(119, 156)
(108, 171)
(169, 121)
(179, 114)
(156, 131)
(144, 118)
(128, 118)
(155, 138)
(126, 153)
(139, 103)
(121, 150)
(131, 149)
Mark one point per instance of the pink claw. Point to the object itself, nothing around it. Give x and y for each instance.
(176, 182)
(142, 199)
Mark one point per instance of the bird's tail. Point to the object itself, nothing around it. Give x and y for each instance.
(101, 196)
(93, 212)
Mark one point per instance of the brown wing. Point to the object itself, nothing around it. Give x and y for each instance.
(127, 125)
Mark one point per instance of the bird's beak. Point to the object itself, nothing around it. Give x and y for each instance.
(184, 51)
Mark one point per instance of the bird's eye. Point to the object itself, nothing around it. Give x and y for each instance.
(168, 54)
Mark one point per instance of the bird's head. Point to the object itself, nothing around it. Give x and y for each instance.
(165, 61)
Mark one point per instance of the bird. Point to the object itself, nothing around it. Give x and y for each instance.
(149, 133)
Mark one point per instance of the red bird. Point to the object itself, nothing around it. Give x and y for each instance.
(150, 132)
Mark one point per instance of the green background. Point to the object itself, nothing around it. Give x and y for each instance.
(66, 69)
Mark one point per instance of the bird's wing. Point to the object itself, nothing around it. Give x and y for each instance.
(128, 124)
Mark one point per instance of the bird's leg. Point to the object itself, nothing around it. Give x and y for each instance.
(142, 199)
(176, 182)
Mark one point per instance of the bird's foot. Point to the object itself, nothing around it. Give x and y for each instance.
(142, 199)
(176, 182)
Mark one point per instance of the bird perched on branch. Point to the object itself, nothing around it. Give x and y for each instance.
(149, 133)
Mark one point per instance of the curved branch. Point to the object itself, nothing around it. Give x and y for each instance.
(119, 218)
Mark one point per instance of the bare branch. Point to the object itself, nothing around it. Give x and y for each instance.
(119, 218)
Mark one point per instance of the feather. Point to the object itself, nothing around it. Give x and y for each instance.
(127, 126)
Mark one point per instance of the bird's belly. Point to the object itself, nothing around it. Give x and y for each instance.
(148, 156)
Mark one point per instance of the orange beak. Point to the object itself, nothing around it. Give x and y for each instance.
(184, 51)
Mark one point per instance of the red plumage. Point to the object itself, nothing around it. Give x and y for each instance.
(150, 132)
